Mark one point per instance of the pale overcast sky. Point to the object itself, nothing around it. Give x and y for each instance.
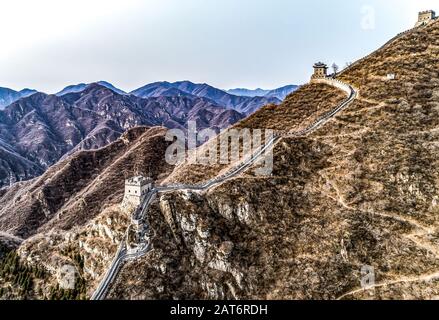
(48, 44)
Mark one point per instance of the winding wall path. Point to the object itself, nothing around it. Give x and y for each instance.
(122, 254)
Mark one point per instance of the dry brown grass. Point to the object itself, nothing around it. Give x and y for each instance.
(299, 109)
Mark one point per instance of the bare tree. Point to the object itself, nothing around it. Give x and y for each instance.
(335, 68)
(348, 64)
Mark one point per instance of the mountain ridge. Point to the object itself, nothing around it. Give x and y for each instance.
(9, 96)
(280, 93)
(45, 128)
(359, 194)
(246, 105)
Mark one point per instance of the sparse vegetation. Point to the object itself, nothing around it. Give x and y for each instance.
(20, 280)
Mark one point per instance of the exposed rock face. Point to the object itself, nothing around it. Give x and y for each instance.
(283, 92)
(96, 242)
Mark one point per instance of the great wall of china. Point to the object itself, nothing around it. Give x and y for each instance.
(123, 254)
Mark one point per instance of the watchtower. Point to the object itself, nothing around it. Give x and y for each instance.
(136, 188)
(425, 17)
(320, 71)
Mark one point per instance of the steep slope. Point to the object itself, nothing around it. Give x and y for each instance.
(14, 167)
(95, 177)
(361, 192)
(296, 112)
(72, 210)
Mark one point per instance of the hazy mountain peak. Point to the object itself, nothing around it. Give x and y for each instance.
(248, 92)
(9, 96)
(72, 89)
(279, 93)
(82, 86)
(111, 87)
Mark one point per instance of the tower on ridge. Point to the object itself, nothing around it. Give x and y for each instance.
(425, 17)
(320, 71)
(135, 189)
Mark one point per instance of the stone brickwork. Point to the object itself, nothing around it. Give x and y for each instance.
(320, 71)
(136, 189)
(425, 17)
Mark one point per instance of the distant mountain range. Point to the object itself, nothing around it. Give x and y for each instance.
(8, 96)
(242, 100)
(242, 104)
(36, 131)
(279, 93)
(248, 92)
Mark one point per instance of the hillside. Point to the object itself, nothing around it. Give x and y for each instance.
(95, 177)
(72, 211)
(361, 191)
(295, 113)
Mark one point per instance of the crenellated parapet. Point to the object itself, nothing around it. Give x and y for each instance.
(136, 188)
(425, 17)
(320, 71)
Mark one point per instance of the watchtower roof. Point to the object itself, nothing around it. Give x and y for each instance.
(138, 180)
(320, 65)
(428, 11)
